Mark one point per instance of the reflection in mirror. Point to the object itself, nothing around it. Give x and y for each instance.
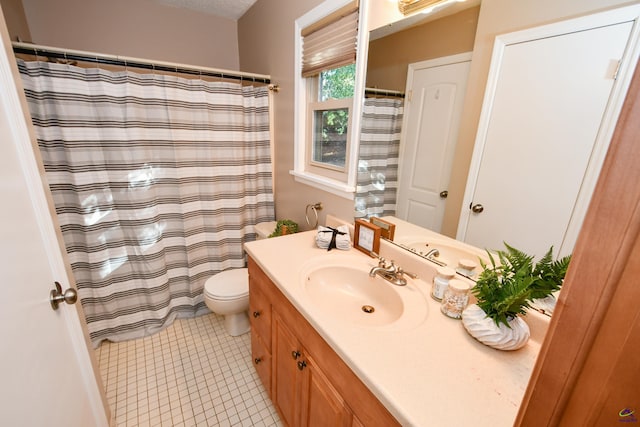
(392, 49)
(527, 96)
(378, 156)
(439, 249)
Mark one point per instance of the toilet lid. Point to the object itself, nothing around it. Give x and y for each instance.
(229, 284)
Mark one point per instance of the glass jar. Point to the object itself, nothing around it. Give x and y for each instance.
(455, 299)
(441, 281)
(466, 267)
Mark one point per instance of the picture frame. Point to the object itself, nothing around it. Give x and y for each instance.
(387, 229)
(366, 237)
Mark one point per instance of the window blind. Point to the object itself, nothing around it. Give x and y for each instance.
(331, 42)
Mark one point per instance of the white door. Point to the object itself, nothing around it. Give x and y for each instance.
(430, 132)
(46, 371)
(537, 136)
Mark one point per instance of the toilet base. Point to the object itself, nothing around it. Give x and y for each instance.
(237, 324)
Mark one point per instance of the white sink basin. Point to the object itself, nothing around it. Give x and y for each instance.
(344, 291)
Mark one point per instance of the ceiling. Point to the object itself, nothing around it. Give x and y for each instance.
(231, 9)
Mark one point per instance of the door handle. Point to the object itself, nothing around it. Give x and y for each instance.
(477, 208)
(444, 194)
(70, 296)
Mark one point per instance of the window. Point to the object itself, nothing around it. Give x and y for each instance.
(326, 87)
(330, 118)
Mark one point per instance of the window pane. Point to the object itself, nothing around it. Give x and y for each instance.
(338, 83)
(330, 136)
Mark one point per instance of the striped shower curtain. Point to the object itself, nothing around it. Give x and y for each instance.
(378, 158)
(157, 182)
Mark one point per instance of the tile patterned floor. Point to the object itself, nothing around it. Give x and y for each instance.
(190, 374)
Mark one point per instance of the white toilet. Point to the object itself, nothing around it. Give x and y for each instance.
(227, 293)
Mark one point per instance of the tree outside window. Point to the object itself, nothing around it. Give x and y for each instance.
(331, 125)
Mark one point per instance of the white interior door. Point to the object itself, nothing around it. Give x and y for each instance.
(46, 371)
(537, 139)
(430, 132)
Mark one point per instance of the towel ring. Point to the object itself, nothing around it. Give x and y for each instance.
(315, 208)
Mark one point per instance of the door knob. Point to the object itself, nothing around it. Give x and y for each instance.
(70, 296)
(477, 208)
(444, 194)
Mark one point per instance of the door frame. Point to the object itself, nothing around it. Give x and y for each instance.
(21, 131)
(429, 63)
(608, 124)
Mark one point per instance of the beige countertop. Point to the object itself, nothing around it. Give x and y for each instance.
(432, 373)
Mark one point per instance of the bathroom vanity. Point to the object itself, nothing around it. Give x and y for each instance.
(322, 359)
(306, 379)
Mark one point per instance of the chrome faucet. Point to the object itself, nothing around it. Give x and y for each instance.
(432, 255)
(433, 252)
(391, 272)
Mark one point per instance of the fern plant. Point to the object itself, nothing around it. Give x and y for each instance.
(549, 275)
(505, 289)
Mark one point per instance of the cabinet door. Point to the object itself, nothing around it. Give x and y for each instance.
(287, 352)
(261, 360)
(321, 404)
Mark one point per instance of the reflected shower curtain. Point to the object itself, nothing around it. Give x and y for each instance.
(157, 182)
(378, 158)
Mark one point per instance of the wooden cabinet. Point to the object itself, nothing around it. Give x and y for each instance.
(302, 394)
(307, 381)
(321, 404)
(260, 318)
(262, 360)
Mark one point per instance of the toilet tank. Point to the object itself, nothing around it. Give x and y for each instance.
(263, 229)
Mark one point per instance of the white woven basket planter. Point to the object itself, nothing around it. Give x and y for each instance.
(485, 330)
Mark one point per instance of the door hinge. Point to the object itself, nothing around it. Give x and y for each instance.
(408, 96)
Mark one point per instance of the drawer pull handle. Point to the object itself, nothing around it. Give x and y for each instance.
(295, 354)
(302, 364)
(257, 360)
(256, 314)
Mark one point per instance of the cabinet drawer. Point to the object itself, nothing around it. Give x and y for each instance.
(261, 361)
(259, 305)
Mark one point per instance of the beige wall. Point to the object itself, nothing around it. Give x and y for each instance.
(139, 28)
(390, 56)
(266, 40)
(500, 17)
(16, 20)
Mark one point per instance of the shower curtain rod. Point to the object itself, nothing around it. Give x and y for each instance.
(383, 92)
(125, 61)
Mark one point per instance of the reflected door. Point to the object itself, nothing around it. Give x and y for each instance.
(546, 114)
(430, 131)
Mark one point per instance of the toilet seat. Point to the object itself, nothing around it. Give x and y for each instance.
(228, 285)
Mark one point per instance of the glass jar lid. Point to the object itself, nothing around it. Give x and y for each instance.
(445, 272)
(459, 285)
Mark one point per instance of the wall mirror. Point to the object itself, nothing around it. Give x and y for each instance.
(397, 55)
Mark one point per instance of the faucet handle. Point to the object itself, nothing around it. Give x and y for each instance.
(381, 261)
(406, 273)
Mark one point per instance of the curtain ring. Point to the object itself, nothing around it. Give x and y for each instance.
(315, 208)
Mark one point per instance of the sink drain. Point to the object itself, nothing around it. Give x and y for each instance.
(368, 309)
